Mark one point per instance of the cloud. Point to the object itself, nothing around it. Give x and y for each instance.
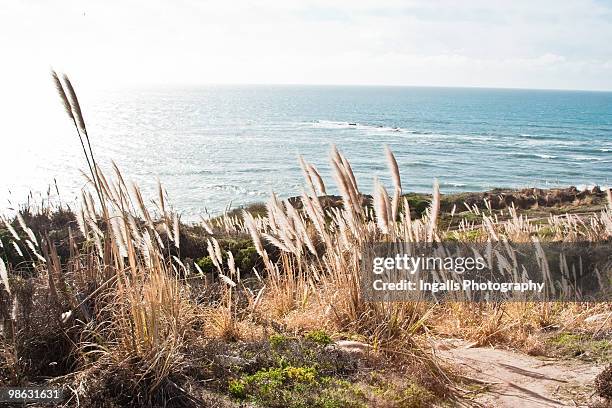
(548, 44)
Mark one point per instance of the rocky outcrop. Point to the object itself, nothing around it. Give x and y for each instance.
(527, 198)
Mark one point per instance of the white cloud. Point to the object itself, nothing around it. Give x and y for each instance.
(546, 44)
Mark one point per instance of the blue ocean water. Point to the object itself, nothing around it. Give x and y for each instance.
(216, 145)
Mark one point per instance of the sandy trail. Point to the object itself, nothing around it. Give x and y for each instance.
(519, 380)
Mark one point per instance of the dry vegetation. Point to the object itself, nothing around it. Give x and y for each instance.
(115, 305)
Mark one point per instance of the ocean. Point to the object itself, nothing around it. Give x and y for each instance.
(216, 147)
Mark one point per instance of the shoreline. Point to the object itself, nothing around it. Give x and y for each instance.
(460, 210)
(531, 200)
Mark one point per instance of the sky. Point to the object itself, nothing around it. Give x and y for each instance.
(483, 43)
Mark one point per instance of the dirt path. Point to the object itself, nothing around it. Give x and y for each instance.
(519, 380)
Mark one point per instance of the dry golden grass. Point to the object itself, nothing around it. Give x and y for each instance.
(125, 298)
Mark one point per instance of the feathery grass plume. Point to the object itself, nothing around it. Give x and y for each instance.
(72, 107)
(231, 263)
(80, 216)
(106, 189)
(434, 210)
(250, 224)
(317, 219)
(489, 224)
(227, 280)
(176, 232)
(217, 251)
(279, 222)
(301, 232)
(134, 230)
(62, 94)
(88, 204)
(381, 207)
(213, 255)
(4, 276)
(351, 182)
(200, 271)
(276, 242)
(118, 231)
(344, 182)
(609, 194)
(407, 222)
(11, 229)
(271, 205)
(162, 201)
(349, 170)
(17, 249)
(180, 263)
(395, 173)
(26, 229)
(30, 245)
(317, 177)
(307, 176)
(142, 206)
(206, 225)
(397, 182)
(122, 187)
(74, 103)
(97, 234)
(287, 233)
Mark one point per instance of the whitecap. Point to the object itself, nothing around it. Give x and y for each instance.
(331, 124)
(586, 158)
(533, 155)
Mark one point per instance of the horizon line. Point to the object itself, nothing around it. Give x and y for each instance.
(509, 88)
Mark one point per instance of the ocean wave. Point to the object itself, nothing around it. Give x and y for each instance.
(228, 187)
(557, 143)
(580, 150)
(586, 158)
(331, 124)
(257, 193)
(179, 173)
(585, 187)
(406, 133)
(532, 155)
(475, 138)
(538, 137)
(419, 164)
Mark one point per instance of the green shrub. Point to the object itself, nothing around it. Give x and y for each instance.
(319, 336)
(295, 387)
(245, 255)
(415, 396)
(206, 264)
(237, 389)
(474, 235)
(247, 258)
(277, 340)
(418, 203)
(582, 346)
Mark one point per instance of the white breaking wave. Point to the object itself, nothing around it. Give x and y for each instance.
(331, 124)
(586, 158)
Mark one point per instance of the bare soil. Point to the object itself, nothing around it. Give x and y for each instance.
(513, 379)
